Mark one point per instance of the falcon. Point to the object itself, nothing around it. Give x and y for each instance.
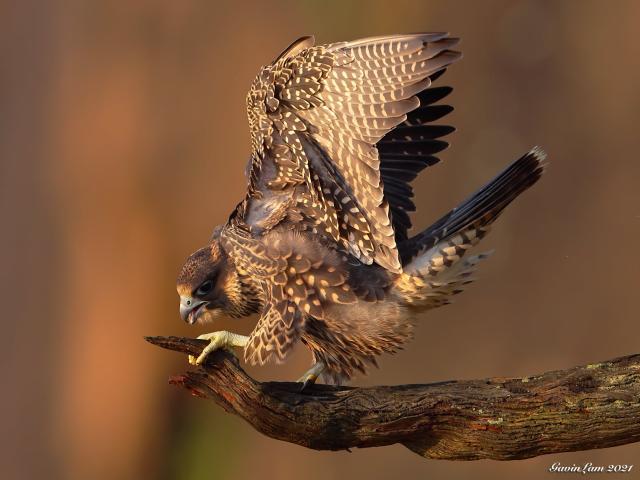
(320, 247)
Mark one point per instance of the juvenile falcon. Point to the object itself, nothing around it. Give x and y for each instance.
(319, 247)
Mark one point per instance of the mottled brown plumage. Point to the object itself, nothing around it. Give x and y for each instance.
(320, 246)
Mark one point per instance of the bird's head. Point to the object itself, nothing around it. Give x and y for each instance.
(208, 284)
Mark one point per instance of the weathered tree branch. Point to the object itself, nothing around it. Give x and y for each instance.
(592, 406)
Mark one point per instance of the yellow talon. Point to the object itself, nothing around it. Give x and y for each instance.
(218, 340)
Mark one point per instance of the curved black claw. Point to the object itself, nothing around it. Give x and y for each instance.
(309, 380)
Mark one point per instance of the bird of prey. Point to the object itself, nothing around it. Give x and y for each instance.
(320, 244)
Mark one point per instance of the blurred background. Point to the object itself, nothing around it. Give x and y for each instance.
(123, 141)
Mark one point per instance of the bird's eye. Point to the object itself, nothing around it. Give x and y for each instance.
(205, 287)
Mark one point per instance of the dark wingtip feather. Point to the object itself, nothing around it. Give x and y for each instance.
(410, 147)
(434, 76)
(433, 94)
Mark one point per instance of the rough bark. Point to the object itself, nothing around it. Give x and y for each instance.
(580, 408)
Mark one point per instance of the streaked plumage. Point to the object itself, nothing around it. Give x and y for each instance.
(320, 246)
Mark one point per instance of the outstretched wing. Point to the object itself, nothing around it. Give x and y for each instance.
(316, 114)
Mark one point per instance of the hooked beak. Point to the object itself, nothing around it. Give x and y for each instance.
(190, 309)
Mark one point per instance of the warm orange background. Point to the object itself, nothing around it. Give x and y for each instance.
(122, 143)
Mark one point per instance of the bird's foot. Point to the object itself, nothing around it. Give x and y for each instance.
(311, 375)
(222, 339)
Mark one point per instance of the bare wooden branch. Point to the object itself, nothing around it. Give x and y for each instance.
(580, 408)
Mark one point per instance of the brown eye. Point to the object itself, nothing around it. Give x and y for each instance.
(205, 287)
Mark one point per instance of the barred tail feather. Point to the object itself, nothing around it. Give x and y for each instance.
(431, 291)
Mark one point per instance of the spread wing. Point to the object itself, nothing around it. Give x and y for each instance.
(316, 114)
